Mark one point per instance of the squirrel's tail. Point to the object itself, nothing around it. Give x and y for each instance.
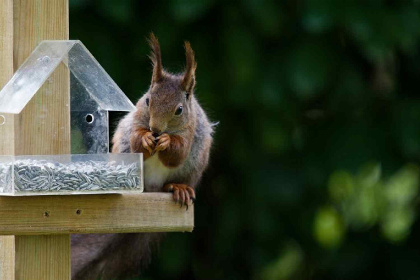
(111, 256)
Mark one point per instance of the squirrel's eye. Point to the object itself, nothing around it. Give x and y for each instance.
(147, 102)
(178, 111)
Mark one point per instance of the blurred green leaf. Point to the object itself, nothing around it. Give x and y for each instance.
(364, 208)
(328, 227)
(369, 174)
(396, 224)
(403, 187)
(286, 265)
(341, 186)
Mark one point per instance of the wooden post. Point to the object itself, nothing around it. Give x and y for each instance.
(7, 243)
(44, 125)
(6, 69)
(42, 128)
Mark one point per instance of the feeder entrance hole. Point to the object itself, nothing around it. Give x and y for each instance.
(89, 118)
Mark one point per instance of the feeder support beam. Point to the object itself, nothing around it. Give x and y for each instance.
(42, 128)
(7, 243)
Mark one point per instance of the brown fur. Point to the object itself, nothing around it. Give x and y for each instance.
(111, 256)
(177, 151)
(156, 58)
(136, 144)
(183, 148)
(188, 81)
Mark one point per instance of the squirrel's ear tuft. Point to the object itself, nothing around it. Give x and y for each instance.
(188, 81)
(156, 58)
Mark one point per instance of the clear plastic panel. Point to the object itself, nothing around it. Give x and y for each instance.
(32, 74)
(71, 174)
(80, 99)
(6, 172)
(89, 132)
(96, 81)
(93, 84)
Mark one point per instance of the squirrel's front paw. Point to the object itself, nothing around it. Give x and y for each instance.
(163, 142)
(148, 142)
(183, 194)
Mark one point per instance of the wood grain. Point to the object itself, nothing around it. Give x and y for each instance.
(42, 128)
(7, 243)
(147, 212)
(44, 125)
(7, 257)
(6, 41)
(42, 257)
(7, 144)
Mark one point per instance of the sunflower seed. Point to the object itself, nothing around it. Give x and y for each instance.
(43, 176)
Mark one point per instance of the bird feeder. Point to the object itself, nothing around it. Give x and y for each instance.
(35, 229)
(90, 168)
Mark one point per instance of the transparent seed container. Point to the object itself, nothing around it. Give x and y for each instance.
(71, 174)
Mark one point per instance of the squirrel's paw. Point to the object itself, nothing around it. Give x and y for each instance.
(163, 142)
(148, 142)
(183, 194)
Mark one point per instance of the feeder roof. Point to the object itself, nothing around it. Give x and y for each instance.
(84, 68)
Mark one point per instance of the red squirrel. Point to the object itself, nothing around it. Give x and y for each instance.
(175, 136)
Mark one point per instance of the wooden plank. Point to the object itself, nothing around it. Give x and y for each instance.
(6, 41)
(42, 128)
(48, 261)
(7, 243)
(7, 257)
(147, 212)
(6, 72)
(47, 116)
(37, 20)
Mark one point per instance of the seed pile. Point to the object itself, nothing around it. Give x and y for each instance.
(44, 176)
(5, 177)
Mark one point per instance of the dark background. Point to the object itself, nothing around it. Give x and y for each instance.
(314, 172)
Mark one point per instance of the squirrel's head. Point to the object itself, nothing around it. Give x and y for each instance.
(168, 100)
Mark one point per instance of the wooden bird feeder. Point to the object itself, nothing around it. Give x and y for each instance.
(54, 103)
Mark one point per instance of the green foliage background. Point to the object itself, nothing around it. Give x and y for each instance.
(314, 171)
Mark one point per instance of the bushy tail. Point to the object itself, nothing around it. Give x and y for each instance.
(111, 256)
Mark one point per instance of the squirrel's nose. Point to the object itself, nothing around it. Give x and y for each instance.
(156, 132)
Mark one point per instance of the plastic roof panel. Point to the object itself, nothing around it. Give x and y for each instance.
(88, 73)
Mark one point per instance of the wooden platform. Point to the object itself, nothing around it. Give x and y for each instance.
(110, 213)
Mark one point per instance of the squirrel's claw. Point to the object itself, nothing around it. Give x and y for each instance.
(176, 195)
(187, 197)
(183, 194)
(148, 142)
(191, 193)
(146, 146)
(162, 146)
(163, 143)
